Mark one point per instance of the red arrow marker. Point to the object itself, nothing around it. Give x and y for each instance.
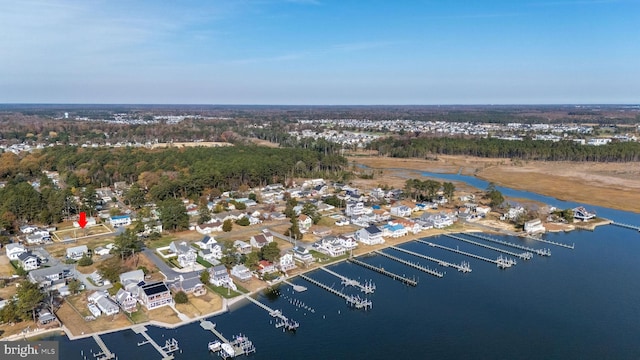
(83, 219)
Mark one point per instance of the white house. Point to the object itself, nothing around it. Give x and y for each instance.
(186, 254)
(534, 226)
(126, 300)
(77, 252)
(103, 302)
(155, 295)
(241, 272)
(260, 240)
(483, 210)
(354, 208)
(120, 220)
(331, 246)
(28, 261)
(287, 262)
(242, 247)
(14, 250)
(219, 276)
(210, 249)
(304, 222)
(583, 214)
(91, 221)
(303, 255)
(394, 230)
(401, 210)
(370, 235)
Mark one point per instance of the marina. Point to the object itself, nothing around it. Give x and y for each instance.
(462, 267)
(282, 321)
(524, 255)
(405, 280)
(541, 252)
(367, 288)
(352, 301)
(500, 262)
(410, 264)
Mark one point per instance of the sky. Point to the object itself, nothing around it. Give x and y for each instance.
(320, 52)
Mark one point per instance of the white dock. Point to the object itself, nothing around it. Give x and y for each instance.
(241, 344)
(288, 324)
(572, 246)
(165, 351)
(463, 267)
(500, 261)
(410, 264)
(298, 288)
(541, 252)
(523, 256)
(626, 226)
(367, 288)
(351, 300)
(105, 353)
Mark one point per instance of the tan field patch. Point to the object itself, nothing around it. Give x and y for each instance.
(164, 314)
(6, 269)
(201, 305)
(73, 312)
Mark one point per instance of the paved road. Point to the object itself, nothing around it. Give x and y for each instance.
(168, 272)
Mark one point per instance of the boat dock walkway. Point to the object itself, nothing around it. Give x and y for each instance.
(367, 288)
(541, 252)
(500, 261)
(241, 345)
(463, 267)
(298, 288)
(394, 276)
(289, 324)
(106, 353)
(351, 300)
(165, 351)
(572, 246)
(523, 256)
(410, 264)
(627, 226)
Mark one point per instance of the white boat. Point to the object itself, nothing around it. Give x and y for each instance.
(215, 346)
(228, 350)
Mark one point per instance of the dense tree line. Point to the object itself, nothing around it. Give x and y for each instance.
(496, 148)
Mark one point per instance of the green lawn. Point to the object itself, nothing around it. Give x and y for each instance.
(223, 291)
(163, 241)
(203, 262)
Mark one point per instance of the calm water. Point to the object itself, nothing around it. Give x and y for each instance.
(576, 304)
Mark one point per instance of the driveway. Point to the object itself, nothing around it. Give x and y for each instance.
(165, 269)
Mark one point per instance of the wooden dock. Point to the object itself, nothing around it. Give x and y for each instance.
(384, 272)
(463, 267)
(241, 344)
(289, 324)
(165, 351)
(351, 300)
(295, 287)
(367, 288)
(541, 252)
(500, 261)
(524, 255)
(410, 264)
(105, 353)
(572, 246)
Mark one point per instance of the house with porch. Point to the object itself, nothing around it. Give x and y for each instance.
(266, 267)
(120, 220)
(303, 255)
(411, 226)
(330, 245)
(241, 272)
(394, 230)
(219, 276)
(154, 295)
(77, 252)
(186, 255)
(534, 227)
(286, 262)
(400, 210)
(581, 213)
(355, 208)
(304, 223)
(14, 250)
(51, 278)
(210, 249)
(126, 301)
(242, 247)
(191, 285)
(27, 261)
(102, 300)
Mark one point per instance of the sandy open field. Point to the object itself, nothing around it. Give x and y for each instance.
(614, 185)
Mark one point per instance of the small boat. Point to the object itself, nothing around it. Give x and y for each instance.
(215, 346)
(228, 351)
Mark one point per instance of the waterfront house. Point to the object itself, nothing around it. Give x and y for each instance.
(331, 246)
(241, 272)
(126, 301)
(393, 230)
(77, 252)
(28, 261)
(410, 225)
(191, 285)
(102, 300)
(186, 255)
(266, 267)
(287, 262)
(303, 255)
(370, 235)
(583, 214)
(45, 317)
(14, 250)
(534, 227)
(154, 295)
(219, 276)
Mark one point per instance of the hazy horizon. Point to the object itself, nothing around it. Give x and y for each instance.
(320, 52)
